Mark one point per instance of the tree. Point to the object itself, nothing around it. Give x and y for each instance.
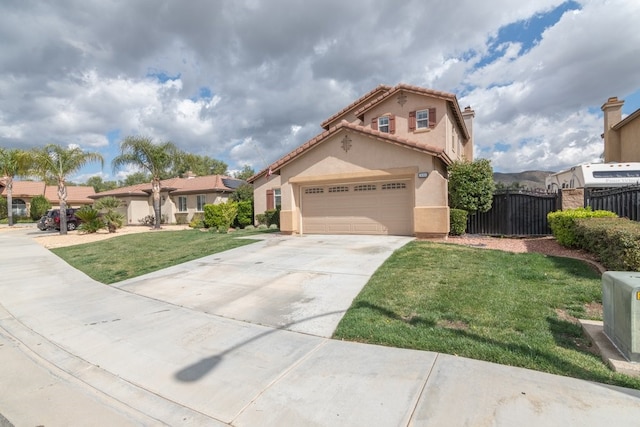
(157, 159)
(112, 218)
(243, 193)
(39, 206)
(99, 185)
(244, 174)
(13, 162)
(135, 178)
(199, 165)
(56, 163)
(471, 185)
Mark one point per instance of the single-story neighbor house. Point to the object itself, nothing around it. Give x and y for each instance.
(621, 137)
(180, 198)
(379, 167)
(24, 191)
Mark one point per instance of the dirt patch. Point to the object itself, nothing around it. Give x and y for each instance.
(51, 239)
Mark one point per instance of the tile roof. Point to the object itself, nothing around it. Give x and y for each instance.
(75, 194)
(346, 126)
(381, 89)
(198, 184)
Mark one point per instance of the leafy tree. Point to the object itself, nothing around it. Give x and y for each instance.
(471, 185)
(199, 165)
(13, 162)
(99, 185)
(157, 159)
(244, 174)
(39, 206)
(135, 178)
(243, 193)
(54, 162)
(3, 207)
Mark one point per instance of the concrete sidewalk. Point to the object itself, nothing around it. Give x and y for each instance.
(76, 352)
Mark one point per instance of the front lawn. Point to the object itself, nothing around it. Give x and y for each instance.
(507, 308)
(132, 255)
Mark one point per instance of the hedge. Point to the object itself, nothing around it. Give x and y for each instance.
(615, 241)
(458, 222)
(563, 223)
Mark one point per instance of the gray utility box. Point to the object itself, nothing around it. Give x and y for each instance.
(621, 307)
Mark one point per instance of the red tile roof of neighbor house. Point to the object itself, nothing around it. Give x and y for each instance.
(28, 189)
(198, 184)
(347, 127)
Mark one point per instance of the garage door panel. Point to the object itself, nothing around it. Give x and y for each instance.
(377, 208)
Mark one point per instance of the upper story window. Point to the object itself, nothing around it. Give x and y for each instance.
(182, 204)
(383, 124)
(201, 199)
(422, 119)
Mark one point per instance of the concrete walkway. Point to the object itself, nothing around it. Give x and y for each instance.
(76, 352)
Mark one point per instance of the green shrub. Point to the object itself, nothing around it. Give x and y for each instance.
(3, 208)
(563, 223)
(197, 221)
(615, 241)
(458, 222)
(91, 220)
(220, 216)
(181, 218)
(39, 206)
(245, 213)
(261, 219)
(273, 217)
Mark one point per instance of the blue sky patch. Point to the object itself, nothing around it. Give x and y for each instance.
(527, 32)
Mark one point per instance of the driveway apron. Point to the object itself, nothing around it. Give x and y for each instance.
(302, 284)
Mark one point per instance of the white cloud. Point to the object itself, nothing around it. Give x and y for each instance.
(275, 70)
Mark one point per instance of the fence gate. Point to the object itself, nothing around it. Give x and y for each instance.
(624, 201)
(515, 213)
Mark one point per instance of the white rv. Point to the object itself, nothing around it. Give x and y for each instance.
(595, 175)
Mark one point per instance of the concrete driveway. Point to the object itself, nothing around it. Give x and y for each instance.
(299, 283)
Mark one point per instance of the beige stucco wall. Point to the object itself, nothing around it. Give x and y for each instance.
(260, 187)
(367, 159)
(192, 204)
(630, 141)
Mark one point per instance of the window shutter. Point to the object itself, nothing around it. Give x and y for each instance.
(374, 123)
(392, 124)
(270, 200)
(412, 121)
(432, 118)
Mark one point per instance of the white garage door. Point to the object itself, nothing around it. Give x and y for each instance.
(358, 208)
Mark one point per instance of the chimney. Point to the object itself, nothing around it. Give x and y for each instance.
(189, 175)
(612, 110)
(467, 115)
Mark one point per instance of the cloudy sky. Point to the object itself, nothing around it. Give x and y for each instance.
(246, 81)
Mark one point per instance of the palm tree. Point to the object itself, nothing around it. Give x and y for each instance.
(156, 159)
(13, 162)
(54, 163)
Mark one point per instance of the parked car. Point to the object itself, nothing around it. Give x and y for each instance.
(43, 223)
(52, 220)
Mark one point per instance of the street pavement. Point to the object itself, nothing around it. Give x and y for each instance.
(241, 338)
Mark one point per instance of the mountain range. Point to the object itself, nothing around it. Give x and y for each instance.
(528, 179)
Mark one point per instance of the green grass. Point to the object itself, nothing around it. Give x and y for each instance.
(507, 308)
(123, 257)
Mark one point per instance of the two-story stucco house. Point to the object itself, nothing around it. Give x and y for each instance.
(379, 167)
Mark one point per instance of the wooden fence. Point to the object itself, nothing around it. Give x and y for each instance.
(516, 213)
(624, 201)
